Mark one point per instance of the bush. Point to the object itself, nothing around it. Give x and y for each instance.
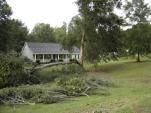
(72, 85)
(11, 71)
(26, 92)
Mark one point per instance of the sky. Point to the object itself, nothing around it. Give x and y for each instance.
(53, 12)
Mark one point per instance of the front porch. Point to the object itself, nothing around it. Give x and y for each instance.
(44, 58)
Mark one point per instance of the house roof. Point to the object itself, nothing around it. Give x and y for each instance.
(49, 48)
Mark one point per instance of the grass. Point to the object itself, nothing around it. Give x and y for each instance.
(132, 94)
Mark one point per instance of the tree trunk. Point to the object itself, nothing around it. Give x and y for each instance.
(138, 57)
(82, 49)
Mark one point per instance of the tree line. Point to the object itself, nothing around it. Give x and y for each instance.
(97, 30)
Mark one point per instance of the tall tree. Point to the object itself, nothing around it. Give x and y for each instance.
(101, 28)
(42, 33)
(60, 34)
(137, 14)
(75, 35)
(17, 35)
(74, 32)
(5, 12)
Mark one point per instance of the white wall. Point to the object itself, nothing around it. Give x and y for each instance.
(26, 52)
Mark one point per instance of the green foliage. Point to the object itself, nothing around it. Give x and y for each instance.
(101, 27)
(26, 92)
(11, 71)
(72, 69)
(61, 34)
(77, 85)
(138, 40)
(49, 74)
(46, 98)
(74, 33)
(18, 34)
(5, 10)
(42, 33)
(132, 95)
(73, 85)
(98, 112)
(34, 94)
(14, 35)
(137, 12)
(95, 82)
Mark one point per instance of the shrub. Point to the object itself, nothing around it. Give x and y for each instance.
(11, 71)
(26, 92)
(73, 85)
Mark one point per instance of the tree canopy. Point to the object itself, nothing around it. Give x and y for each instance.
(60, 34)
(138, 40)
(101, 27)
(74, 32)
(42, 33)
(5, 10)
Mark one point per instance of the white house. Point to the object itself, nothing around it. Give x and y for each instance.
(46, 52)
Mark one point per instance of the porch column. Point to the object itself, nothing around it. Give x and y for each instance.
(43, 58)
(66, 56)
(35, 57)
(58, 57)
(51, 56)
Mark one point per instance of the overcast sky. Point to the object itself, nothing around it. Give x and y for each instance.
(53, 12)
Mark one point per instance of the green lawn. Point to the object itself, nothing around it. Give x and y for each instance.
(132, 94)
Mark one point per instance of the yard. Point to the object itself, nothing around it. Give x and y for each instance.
(132, 93)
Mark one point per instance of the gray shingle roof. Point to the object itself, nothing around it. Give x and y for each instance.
(49, 48)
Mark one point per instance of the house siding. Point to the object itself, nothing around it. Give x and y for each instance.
(27, 52)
